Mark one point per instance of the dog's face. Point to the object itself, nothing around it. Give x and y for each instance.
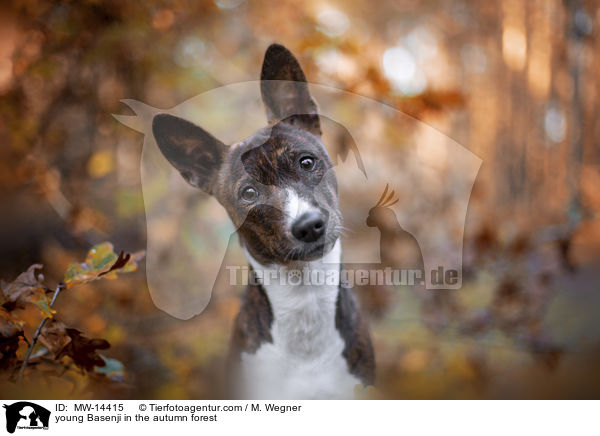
(277, 185)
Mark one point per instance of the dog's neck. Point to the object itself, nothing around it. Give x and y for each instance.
(303, 312)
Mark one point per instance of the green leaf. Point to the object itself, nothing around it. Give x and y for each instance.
(101, 261)
(43, 303)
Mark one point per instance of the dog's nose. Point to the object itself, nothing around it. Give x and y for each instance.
(309, 227)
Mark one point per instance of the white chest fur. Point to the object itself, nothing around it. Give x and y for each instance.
(305, 360)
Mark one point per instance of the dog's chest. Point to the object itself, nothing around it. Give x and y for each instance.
(305, 358)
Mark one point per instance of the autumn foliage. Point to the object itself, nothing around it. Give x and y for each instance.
(517, 83)
(54, 346)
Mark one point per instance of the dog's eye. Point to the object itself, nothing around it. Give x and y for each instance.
(307, 163)
(249, 194)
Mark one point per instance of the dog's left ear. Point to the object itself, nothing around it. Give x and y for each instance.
(285, 91)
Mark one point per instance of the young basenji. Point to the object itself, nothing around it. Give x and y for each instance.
(293, 339)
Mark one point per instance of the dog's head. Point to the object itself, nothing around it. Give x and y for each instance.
(277, 185)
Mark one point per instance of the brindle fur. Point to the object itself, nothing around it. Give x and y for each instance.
(268, 161)
(253, 323)
(358, 350)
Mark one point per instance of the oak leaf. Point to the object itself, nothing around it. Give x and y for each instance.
(27, 288)
(101, 261)
(83, 350)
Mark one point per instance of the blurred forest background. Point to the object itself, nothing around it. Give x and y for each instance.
(516, 82)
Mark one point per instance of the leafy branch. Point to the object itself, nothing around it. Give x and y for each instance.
(36, 335)
(59, 340)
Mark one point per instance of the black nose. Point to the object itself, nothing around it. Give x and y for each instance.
(309, 227)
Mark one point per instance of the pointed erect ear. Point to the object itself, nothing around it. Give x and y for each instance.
(285, 91)
(194, 152)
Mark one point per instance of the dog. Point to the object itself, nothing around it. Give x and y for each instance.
(290, 341)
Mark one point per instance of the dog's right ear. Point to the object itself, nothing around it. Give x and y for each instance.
(194, 152)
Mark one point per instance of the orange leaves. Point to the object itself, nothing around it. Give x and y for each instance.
(9, 326)
(10, 332)
(59, 341)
